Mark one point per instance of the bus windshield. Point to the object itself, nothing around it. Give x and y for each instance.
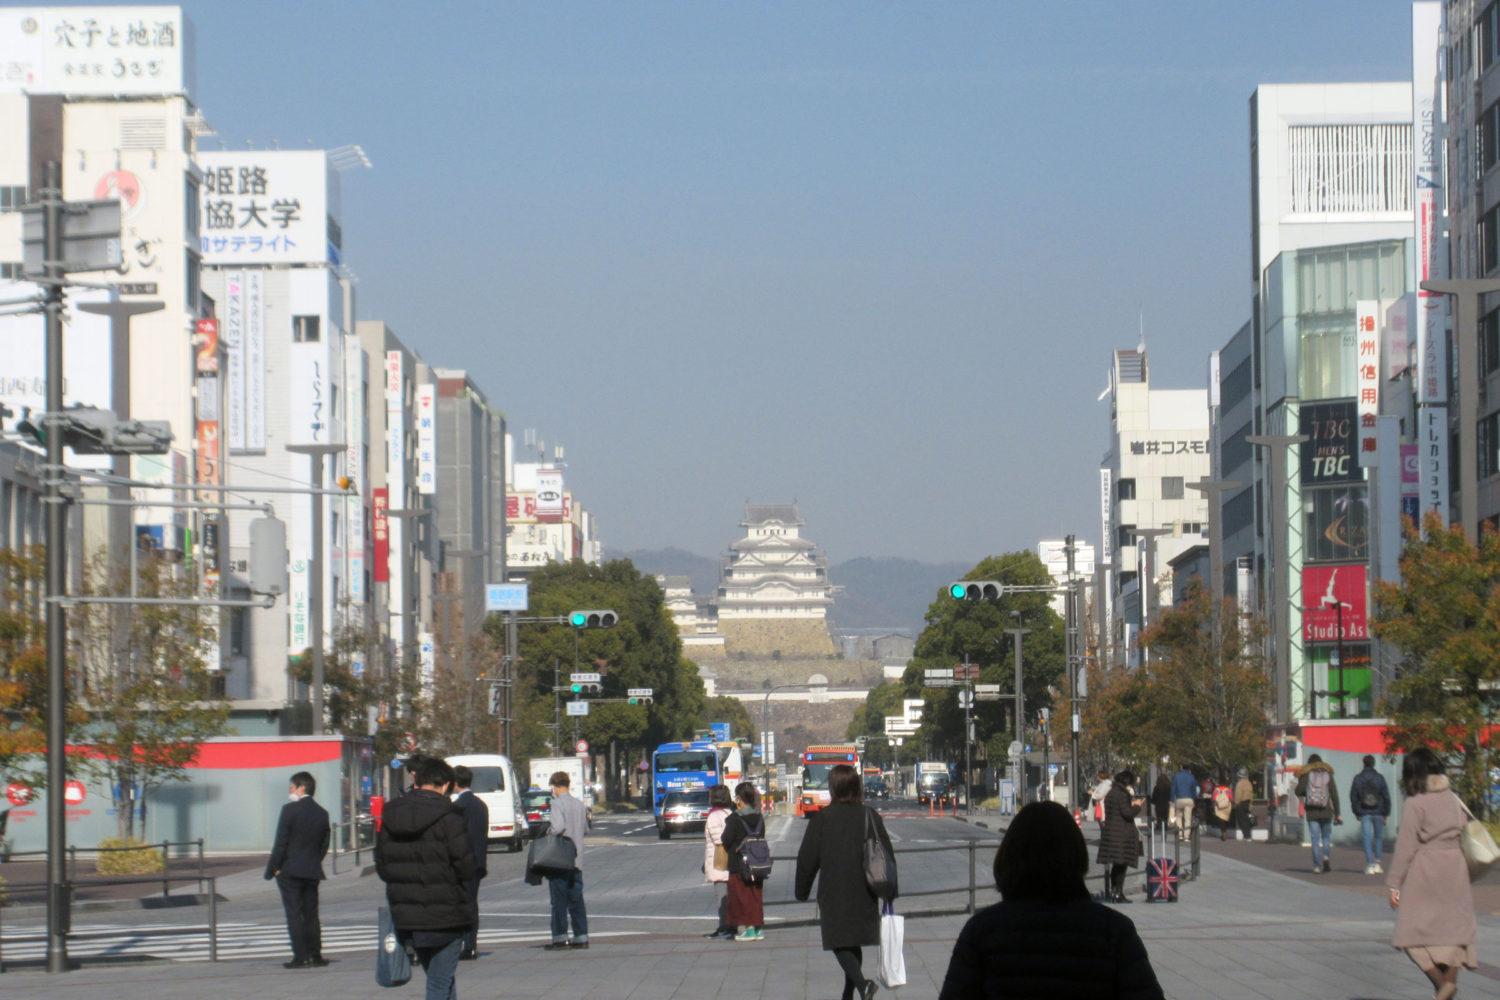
(682, 761)
(815, 776)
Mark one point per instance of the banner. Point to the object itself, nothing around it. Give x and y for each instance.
(1427, 51)
(1334, 597)
(379, 501)
(1367, 380)
(427, 439)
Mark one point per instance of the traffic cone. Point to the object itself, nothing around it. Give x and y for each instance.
(931, 809)
(1078, 818)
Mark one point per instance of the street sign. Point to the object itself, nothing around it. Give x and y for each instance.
(495, 697)
(506, 597)
(940, 682)
(582, 746)
(640, 693)
(584, 678)
(1052, 769)
(937, 674)
(966, 671)
(90, 237)
(987, 692)
(578, 708)
(965, 699)
(1014, 749)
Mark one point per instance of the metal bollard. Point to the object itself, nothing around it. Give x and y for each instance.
(973, 882)
(213, 920)
(165, 890)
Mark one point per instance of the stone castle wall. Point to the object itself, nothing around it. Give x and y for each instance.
(794, 638)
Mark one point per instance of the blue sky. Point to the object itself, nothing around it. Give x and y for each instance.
(869, 256)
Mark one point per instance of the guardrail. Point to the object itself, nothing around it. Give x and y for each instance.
(165, 846)
(356, 837)
(69, 885)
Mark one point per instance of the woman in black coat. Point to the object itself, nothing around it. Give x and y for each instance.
(1120, 842)
(1046, 938)
(833, 852)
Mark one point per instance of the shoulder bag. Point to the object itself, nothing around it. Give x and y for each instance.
(1479, 847)
(880, 866)
(552, 854)
(392, 962)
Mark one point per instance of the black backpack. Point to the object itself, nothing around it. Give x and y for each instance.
(755, 853)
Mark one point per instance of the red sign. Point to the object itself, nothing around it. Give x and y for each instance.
(208, 346)
(73, 793)
(582, 747)
(207, 456)
(380, 529)
(18, 795)
(1334, 596)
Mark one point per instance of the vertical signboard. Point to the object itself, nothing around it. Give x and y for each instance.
(1106, 514)
(379, 528)
(234, 347)
(427, 439)
(255, 362)
(298, 604)
(395, 480)
(428, 659)
(1432, 257)
(1411, 482)
(549, 495)
(355, 427)
(1367, 380)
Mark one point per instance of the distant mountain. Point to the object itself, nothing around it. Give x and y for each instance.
(874, 592)
(888, 592)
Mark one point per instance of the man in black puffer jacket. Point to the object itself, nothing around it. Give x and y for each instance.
(424, 858)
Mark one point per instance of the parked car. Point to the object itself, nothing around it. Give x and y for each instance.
(876, 788)
(682, 812)
(538, 808)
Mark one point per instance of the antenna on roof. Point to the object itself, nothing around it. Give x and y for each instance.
(1140, 348)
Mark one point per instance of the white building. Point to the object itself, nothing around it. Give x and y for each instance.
(1053, 553)
(1159, 443)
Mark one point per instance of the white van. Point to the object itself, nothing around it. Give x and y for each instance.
(496, 786)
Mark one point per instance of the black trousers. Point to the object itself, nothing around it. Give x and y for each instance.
(471, 939)
(299, 897)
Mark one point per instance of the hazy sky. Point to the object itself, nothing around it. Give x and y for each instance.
(873, 257)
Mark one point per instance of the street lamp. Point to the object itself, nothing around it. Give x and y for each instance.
(315, 585)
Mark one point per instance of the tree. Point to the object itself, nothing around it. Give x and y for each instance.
(1444, 617)
(23, 666)
(1193, 702)
(149, 706)
(722, 708)
(974, 632)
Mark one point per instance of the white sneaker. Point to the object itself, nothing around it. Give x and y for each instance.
(1377, 870)
(1369, 869)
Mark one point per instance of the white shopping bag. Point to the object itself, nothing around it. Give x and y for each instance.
(892, 933)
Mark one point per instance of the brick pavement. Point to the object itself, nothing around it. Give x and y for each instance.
(1244, 931)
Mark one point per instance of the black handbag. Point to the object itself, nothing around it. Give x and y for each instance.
(880, 866)
(392, 961)
(552, 854)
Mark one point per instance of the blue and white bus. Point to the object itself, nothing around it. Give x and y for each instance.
(680, 767)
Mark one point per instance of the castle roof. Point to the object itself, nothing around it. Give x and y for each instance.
(760, 513)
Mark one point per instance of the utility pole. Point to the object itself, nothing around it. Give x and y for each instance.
(1278, 563)
(1071, 636)
(315, 452)
(1017, 634)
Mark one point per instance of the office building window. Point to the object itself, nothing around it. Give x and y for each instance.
(10, 271)
(1489, 445)
(1125, 490)
(1124, 536)
(305, 330)
(12, 197)
(1171, 488)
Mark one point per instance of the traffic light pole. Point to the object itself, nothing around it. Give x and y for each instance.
(1017, 634)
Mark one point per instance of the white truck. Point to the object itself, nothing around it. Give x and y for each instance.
(932, 781)
(579, 774)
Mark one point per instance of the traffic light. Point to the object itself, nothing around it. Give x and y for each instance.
(976, 590)
(640, 700)
(584, 687)
(91, 430)
(592, 619)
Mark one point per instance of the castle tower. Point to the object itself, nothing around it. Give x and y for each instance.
(774, 594)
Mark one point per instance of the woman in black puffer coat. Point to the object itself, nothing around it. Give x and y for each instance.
(1120, 842)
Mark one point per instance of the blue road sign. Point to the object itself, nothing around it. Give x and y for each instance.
(506, 597)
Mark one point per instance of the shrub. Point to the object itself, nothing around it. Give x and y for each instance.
(146, 859)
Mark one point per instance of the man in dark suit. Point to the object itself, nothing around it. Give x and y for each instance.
(477, 823)
(297, 866)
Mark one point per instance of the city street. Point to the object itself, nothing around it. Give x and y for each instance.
(1243, 931)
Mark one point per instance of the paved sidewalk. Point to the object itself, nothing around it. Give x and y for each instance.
(1241, 932)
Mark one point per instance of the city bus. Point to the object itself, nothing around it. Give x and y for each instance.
(817, 762)
(681, 767)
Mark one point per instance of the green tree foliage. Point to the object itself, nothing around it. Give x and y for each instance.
(147, 696)
(974, 632)
(722, 708)
(23, 665)
(1189, 702)
(642, 651)
(1445, 618)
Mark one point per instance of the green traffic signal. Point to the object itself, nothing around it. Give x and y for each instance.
(957, 591)
(577, 688)
(578, 619)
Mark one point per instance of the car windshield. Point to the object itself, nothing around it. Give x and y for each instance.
(686, 799)
(488, 779)
(677, 762)
(536, 800)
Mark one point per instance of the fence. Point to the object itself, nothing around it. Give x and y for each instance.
(69, 885)
(165, 845)
(356, 837)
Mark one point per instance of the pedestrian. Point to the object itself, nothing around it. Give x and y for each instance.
(716, 857)
(833, 852)
(1429, 878)
(296, 863)
(746, 912)
(424, 858)
(1161, 801)
(477, 823)
(1320, 806)
(1244, 795)
(1184, 793)
(1370, 800)
(1046, 937)
(571, 820)
(1096, 797)
(1120, 842)
(1223, 808)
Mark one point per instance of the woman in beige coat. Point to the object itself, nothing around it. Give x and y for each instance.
(715, 859)
(1429, 879)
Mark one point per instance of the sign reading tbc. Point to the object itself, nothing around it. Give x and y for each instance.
(1328, 456)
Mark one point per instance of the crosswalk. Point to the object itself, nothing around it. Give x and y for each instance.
(189, 942)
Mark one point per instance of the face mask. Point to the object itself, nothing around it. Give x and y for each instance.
(294, 797)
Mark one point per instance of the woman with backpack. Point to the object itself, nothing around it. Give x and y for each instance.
(833, 853)
(716, 856)
(745, 843)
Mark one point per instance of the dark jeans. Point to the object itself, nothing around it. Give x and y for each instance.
(567, 901)
(299, 897)
(441, 967)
